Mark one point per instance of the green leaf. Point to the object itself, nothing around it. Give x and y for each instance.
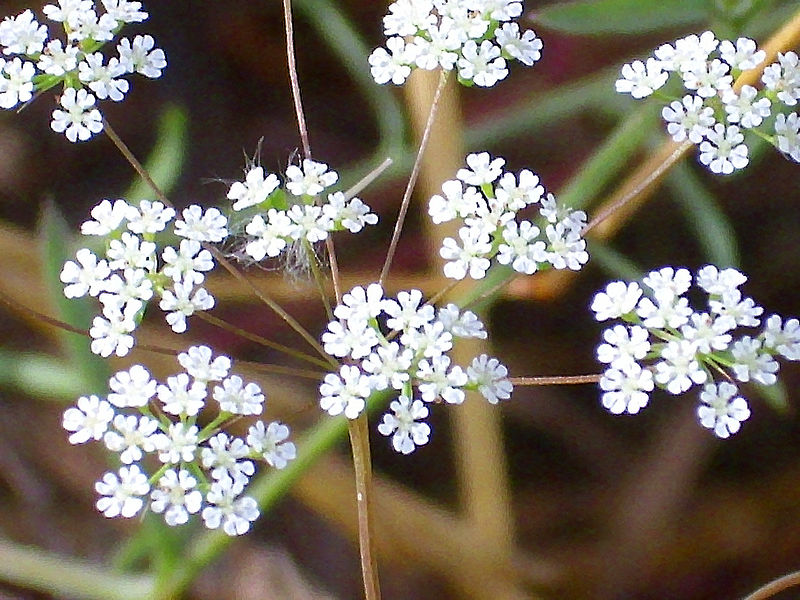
(56, 245)
(603, 17)
(166, 160)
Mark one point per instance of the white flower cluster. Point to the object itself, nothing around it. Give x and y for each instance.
(40, 63)
(412, 355)
(291, 214)
(474, 37)
(664, 342)
(195, 470)
(487, 200)
(133, 271)
(713, 115)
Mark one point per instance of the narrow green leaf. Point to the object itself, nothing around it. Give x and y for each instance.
(166, 160)
(603, 17)
(56, 243)
(713, 229)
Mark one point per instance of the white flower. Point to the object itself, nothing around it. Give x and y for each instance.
(140, 56)
(309, 180)
(149, 217)
(490, 377)
(388, 365)
(271, 235)
(464, 325)
(309, 222)
(720, 410)
(526, 48)
(239, 399)
(176, 497)
(718, 283)
(181, 302)
(723, 150)
(107, 217)
(617, 300)
(393, 65)
(345, 392)
(402, 424)
(16, 82)
(125, 11)
(131, 252)
(187, 263)
(79, 120)
(567, 249)
(743, 108)
(224, 508)
(351, 338)
(787, 134)
(361, 304)
(255, 189)
(707, 79)
(431, 341)
(223, 456)
(783, 337)
(406, 313)
(67, 11)
(520, 247)
(132, 436)
(482, 169)
(458, 201)
(783, 77)
(688, 53)
(102, 79)
(688, 119)
(89, 420)
(198, 363)
(679, 369)
(624, 346)
(626, 391)
(640, 79)
(436, 381)
(744, 55)
(180, 398)
(707, 333)
(482, 64)
(208, 226)
(352, 214)
(751, 363)
(469, 259)
(178, 444)
(122, 495)
(111, 333)
(668, 282)
(22, 34)
(87, 276)
(270, 443)
(131, 388)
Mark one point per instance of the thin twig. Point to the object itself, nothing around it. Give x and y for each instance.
(412, 180)
(359, 441)
(291, 62)
(368, 178)
(139, 168)
(556, 380)
(775, 587)
(262, 341)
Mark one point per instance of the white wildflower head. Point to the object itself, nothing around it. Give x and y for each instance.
(202, 472)
(664, 342)
(475, 39)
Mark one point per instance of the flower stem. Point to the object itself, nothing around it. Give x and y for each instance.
(775, 587)
(359, 442)
(412, 180)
